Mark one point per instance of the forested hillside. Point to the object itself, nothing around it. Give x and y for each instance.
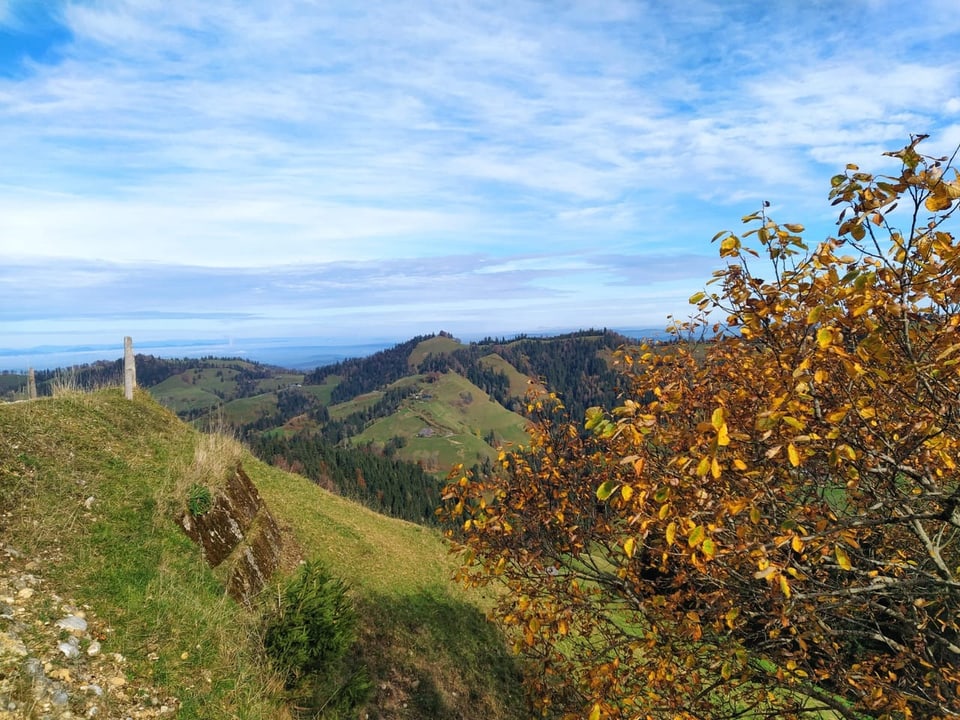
(383, 429)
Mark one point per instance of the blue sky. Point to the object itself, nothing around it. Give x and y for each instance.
(173, 169)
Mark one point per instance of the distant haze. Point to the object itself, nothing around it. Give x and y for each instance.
(293, 353)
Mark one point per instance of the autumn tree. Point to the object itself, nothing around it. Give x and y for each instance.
(769, 523)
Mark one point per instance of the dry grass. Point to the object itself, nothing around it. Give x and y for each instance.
(215, 458)
(65, 384)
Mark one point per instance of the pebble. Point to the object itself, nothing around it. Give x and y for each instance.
(73, 623)
(44, 673)
(69, 648)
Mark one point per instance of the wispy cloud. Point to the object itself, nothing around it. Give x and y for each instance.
(265, 162)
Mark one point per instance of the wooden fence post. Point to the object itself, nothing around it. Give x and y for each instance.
(31, 384)
(129, 369)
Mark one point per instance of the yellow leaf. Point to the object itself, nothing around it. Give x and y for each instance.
(837, 415)
(723, 436)
(793, 422)
(793, 455)
(934, 203)
(796, 544)
(595, 712)
(824, 337)
(784, 585)
(671, 533)
(627, 492)
(731, 616)
(717, 419)
(843, 560)
(629, 546)
(715, 469)
(739, 464)
(814, 315)
(729, 246)
(703, 467)
(664, 511)
(755, 515)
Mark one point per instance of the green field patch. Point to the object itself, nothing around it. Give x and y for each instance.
(180, 394)
(357, 404)
(246, 410)
(279, 381)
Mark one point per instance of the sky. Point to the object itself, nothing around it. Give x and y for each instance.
(354, 171)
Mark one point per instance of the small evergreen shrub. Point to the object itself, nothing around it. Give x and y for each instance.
(308, 639)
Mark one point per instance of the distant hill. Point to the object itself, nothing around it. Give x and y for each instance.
(384, 428)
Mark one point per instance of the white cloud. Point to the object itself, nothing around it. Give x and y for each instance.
(248, 133)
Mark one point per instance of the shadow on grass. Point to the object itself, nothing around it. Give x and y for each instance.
(431, 655)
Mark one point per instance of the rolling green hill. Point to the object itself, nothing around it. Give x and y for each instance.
(89, 484)
(445, 423)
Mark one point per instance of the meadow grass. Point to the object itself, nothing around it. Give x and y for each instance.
(429, 650)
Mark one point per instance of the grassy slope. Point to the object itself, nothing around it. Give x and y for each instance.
(438, 345)
(248, 409)
(519, 383)
(180, 394)
(196, 388)
(459, 413)
(430, 653)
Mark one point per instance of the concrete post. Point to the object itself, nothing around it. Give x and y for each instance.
(129, 369)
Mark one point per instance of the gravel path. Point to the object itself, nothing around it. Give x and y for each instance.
(55, 656)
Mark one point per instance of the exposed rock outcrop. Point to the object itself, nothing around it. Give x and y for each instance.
(238, 529)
